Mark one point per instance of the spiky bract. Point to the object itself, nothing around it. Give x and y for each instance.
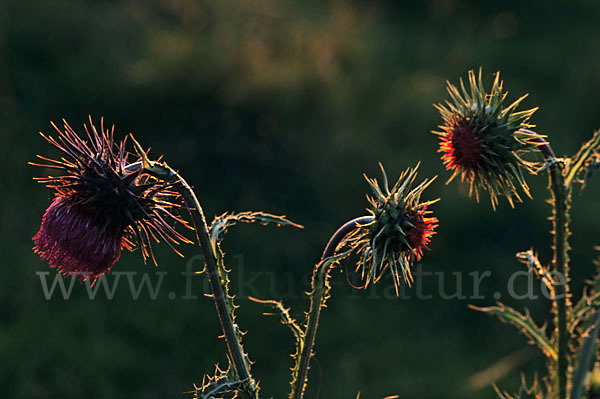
(102, 203)
(399, 231)
(483, 140)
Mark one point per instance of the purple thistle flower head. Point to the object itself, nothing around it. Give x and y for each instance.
(102, 203)
(77, 241)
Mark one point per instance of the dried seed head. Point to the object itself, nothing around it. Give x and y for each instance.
(102, 203)
(483, 141)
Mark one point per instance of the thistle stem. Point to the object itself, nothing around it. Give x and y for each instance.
(561, 195)
(318, 296)
(560, 189)
(225, 318)
(544, 147)
(561, 203)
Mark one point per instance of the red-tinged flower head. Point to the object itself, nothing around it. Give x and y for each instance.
(399, 231)
(75, 240)
(102, 203)
(483, 140)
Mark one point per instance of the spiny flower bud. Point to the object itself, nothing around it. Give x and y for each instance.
(102, 204)
(399, 231)
(483, 140)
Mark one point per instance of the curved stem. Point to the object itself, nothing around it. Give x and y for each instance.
(318, 296)
(545, 149)
(544, 145)
(229, 329)
(341, 233)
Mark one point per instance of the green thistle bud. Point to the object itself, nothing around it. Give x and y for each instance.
(398, 232)
(483, 140)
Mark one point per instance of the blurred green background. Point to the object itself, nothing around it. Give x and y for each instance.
(281, 106)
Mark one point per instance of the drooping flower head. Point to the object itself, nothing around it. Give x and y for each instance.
(483, 140)
(399, 231)
(102, 203)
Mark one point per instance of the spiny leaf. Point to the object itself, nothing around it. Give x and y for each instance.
(501, 395)
(221, 383)
(580, 311)
(216, 233)
(525, 392)
(284, 313)
(524, 323)
(596, 279)
(592, 167)
(533, 265)
(294, 327)
(586, 355)
(579, 162)
(219, 226)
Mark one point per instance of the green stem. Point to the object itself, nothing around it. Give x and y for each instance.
(225, 318)
(585, 358)
(561, 202)
(318, 296)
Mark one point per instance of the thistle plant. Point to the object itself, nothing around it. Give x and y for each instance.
(102, 204)
(484, 140)
(105, 202)
(107, 198)
(110, 196)
(490, 145)
(398, 231)
(390, 238)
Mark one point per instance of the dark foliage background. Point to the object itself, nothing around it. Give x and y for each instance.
(280, 106)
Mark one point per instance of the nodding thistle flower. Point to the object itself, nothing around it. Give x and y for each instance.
(399, 231)
(483, 140)
(102, 203)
